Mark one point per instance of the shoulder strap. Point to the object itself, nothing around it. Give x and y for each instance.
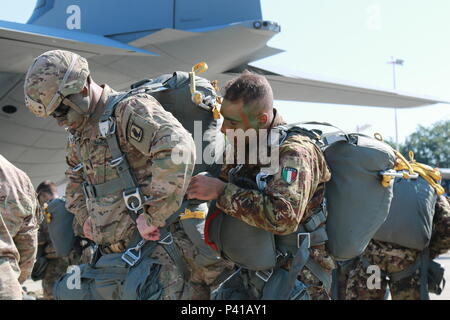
(132, 194)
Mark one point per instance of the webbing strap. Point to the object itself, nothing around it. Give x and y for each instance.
(425, 257)
(132, 195)
(103, 189)
(298, 263)
(396, 276)
(290, 242)
(422, 263)
(315, 220)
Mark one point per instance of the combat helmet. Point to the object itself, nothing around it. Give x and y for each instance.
(53, 76)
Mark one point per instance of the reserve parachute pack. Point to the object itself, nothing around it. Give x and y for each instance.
(410, 219)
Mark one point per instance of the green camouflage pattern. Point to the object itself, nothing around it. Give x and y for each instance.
(19, 219)
(390, 258)
(440, 234)
(284, 206)
(44, 77)
(393, 258)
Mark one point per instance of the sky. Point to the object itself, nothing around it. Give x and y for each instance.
(352, 40)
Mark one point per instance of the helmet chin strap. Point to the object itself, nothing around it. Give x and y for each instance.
(79, 103)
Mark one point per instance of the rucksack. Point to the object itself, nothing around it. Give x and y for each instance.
(357, 198)
(410, 219)
(174, 93)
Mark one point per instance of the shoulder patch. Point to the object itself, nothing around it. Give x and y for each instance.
(136, 132)
(289, 174)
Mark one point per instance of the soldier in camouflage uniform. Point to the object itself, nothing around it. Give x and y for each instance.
(58, 83)
(55, 266)
(18, 229)
(287, 201)
(392, 258)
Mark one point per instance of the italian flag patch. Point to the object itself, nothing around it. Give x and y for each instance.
(289, 174)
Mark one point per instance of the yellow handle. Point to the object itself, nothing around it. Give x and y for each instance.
(216, 113)
(200, 67)
(188, 214)
(47, 215)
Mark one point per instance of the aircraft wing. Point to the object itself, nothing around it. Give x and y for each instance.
(299, 86)
(37, 146)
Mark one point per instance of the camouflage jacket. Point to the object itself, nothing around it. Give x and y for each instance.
(147, 136)
(290, 195)
(19, 218)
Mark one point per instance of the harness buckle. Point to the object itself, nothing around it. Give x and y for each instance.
(78, 167)
(130, 257)
(168, 240)
(264, 275)
(88, 190)
(133, 201)
(115, 162)
(303, 236)
(107, 127)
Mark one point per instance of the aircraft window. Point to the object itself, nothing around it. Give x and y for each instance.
(9, 109)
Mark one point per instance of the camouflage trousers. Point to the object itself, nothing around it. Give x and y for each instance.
(367, 278)
(10, 288)
(204, 270)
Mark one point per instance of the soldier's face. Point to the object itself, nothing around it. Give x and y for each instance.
(68, 117)
(235, 117)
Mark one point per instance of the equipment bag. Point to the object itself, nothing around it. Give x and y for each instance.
(411, 214)
(194, 102)
(357, 199)
(60, 227)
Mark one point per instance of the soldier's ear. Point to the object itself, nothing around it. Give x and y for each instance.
(263, 120)
(85, 91)
(86, 87)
